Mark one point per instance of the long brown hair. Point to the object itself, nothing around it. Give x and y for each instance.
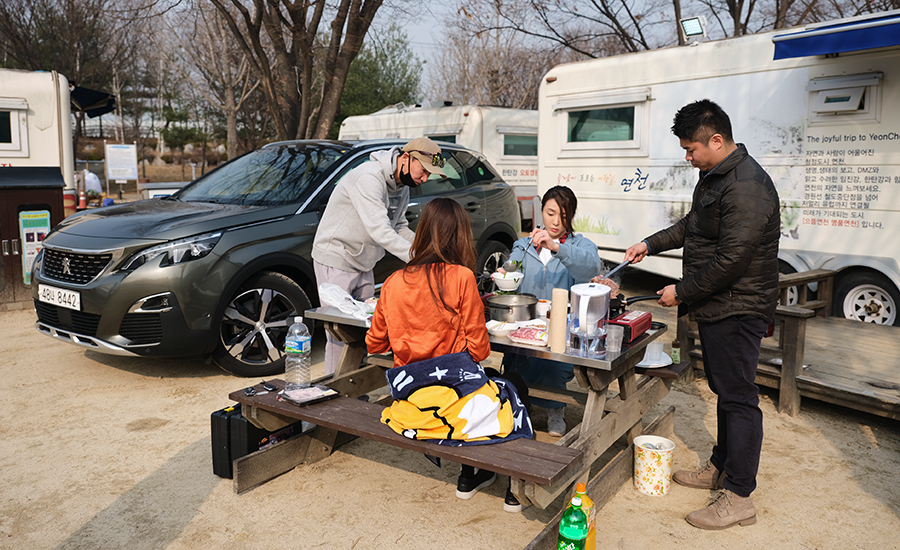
(443, 236)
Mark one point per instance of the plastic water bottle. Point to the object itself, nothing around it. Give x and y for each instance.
(297, 349)
(573, 527)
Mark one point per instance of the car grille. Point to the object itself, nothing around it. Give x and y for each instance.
(62, 318)
(74, 268)
(142, 328)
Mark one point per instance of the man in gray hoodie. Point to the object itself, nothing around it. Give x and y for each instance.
(357, 228)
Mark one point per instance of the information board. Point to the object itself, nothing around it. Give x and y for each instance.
(121, 162)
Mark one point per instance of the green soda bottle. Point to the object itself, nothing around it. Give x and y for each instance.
(573, 527)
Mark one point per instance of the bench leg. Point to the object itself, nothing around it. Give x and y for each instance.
(257, 468)
(517, 486)
(628, 389)
(824, 291)
(687, 345)
(321, 444)
(794, 331)
(354, 339)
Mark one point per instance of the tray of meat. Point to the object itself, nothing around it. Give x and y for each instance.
(529, 335)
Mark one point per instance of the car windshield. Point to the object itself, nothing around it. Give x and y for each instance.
(270, 176)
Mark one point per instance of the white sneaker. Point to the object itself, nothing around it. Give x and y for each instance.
(556, 421)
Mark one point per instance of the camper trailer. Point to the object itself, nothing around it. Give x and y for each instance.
(506, 137)
(36, 122)
(36, 164)
(816, 106)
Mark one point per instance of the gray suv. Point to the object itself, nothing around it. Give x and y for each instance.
(221, 267)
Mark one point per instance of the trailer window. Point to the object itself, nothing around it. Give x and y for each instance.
(614, 124)
(842, 98)
(451, 138)
(525, 146)
(13, 127)
(5, 127)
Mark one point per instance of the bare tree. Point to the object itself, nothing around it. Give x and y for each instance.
(82, 40)
(485, 62)
(221, 71)
(280, 41)
(596, 28)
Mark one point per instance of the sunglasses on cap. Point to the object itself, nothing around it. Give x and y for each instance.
(436, 158)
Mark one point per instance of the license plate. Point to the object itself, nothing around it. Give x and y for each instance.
(60, 297)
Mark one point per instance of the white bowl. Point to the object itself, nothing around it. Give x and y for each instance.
(500, 328)
(508, 281)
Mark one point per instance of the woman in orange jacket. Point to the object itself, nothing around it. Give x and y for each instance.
(431, 316)
(432, 307)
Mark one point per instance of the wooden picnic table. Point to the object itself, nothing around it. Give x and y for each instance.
(606, 417)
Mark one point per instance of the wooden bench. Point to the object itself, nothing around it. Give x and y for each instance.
(824, 278)
(526, 459)
(789, 349)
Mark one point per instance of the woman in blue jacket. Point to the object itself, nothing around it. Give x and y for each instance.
(553, 257)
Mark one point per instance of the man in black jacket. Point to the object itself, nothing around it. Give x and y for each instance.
(729, 286)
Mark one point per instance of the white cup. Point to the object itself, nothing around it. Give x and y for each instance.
(654, 352)
(543, 307)
(614, 334)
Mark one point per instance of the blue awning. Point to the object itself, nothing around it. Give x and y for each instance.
(860, 34)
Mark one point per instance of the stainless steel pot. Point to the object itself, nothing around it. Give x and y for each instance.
(513, 307)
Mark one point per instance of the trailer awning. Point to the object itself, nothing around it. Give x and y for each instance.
(860, 34)
(92, 102)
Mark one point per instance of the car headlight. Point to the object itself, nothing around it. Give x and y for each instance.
(176, 252)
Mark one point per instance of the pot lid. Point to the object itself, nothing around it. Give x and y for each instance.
(513, 299)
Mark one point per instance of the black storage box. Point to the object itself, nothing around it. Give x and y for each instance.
(233, 436)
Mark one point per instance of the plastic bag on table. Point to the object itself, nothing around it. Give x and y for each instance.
(333, 295)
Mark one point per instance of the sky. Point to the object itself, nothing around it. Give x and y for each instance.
(426, 32)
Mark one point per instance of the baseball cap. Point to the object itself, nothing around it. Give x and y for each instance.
(427, 152)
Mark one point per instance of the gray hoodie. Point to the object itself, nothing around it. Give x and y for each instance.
(356, 228)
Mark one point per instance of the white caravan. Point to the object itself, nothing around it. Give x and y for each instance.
(36, 122)
(816, 106)
(506, 137)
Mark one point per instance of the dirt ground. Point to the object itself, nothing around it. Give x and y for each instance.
(102, 452)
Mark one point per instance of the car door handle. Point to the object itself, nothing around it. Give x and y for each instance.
(472, 206)
(15, 243)
(411, 215)
(5, 247)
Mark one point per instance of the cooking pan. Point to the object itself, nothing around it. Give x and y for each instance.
(618, 304)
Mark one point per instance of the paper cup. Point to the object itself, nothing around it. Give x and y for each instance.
(543, 307)
(653, 468)
(654, 352)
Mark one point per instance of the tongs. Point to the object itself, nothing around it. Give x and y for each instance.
(617, 268)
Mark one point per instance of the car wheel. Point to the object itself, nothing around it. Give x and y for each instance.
(492, 256)
(867, 297)
(255, 322)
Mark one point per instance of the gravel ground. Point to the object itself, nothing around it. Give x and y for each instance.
(111, 452)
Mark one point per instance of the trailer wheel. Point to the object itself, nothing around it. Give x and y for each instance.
(792, 292)
(867, 297)
(492, 256)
